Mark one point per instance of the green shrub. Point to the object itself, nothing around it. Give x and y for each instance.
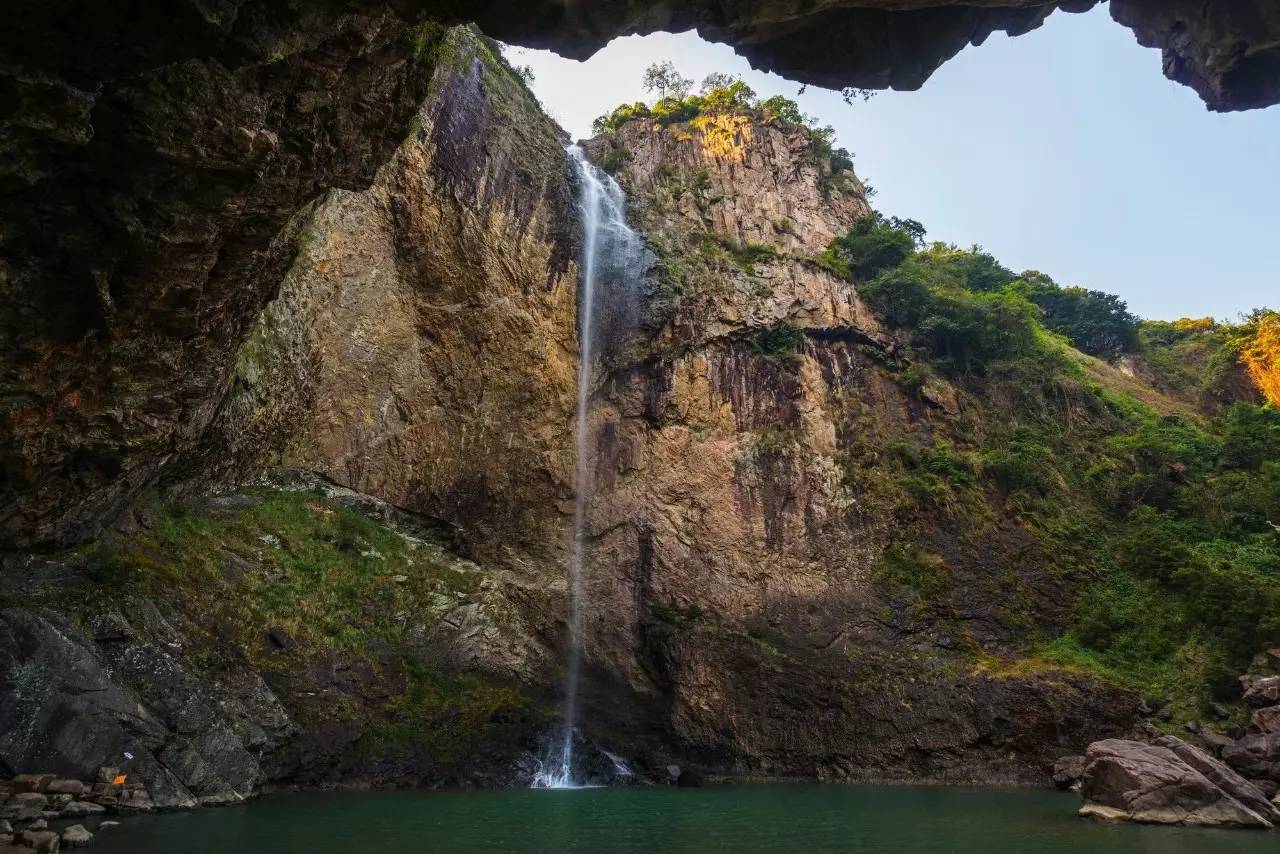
(898, 296)
(620, 116)
(1250, 436)
(1232, 590)
(781, 109)
(1023, 462)
(782, 343)
(1152, 544)
(875, 243)
(745, 255)
(971, 269)
(909, 569)
(1149, 465)
(1094, 322)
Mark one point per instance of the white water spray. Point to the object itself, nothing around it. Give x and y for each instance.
(612, 255)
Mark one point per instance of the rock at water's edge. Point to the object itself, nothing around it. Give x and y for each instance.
(1169, 782)
(76, 836)
(1067, 772)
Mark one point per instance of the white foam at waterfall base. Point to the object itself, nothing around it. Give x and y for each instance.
(612, 255)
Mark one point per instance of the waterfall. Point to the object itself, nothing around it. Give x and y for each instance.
(611, 264)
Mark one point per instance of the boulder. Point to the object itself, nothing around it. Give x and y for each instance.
(76, 836)
(1255, 755)
(81, 809)
(1264, 691)
(1265, 721)
(1169, 782)
(1214, 740)
(1067, 772)
(32, 800)
(66, 787)
(136, 800)
(31, 782)
(43, 841)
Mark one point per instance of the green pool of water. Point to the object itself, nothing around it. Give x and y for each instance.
(789, 819)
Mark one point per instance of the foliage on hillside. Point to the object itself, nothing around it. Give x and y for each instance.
(1163, 523)
(1260, 352)
(1210, 363)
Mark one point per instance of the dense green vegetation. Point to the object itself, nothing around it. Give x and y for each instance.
(966, 306)
(1161, 521)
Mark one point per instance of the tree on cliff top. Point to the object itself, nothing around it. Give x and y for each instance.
(663, 79)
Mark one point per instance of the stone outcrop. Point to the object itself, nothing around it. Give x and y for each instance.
(424, 322)
(1169, 782)
(79, 703)
(1256, 756)
(153, 160)
(1068, 771)
(1261, 690)
(1266, 721)
(197, 702)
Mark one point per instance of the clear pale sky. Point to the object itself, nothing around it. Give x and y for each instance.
(1064, 150)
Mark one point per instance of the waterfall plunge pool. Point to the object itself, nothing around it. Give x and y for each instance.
(747, 819)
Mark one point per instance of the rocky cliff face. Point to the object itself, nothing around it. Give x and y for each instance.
(740, 520)
(227, 643)
(424, 321)
(154, 155)
(401, 618)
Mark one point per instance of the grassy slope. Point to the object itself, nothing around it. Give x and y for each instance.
(336, 586)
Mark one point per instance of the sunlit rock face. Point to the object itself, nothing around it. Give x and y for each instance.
(423, 320)
(154, 154)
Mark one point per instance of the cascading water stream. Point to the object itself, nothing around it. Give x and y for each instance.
(612, 261)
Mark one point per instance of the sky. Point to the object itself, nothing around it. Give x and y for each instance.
(1064, 150)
